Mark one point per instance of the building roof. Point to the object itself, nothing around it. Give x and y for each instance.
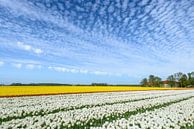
(167, 82)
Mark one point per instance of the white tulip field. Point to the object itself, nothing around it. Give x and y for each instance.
(165, 109)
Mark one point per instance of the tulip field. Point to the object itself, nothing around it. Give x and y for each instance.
(7, 91)
(156, 109)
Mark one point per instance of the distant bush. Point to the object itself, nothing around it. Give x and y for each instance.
(99, 84)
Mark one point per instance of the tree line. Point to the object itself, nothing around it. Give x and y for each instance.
(175, 80)
(151, 81)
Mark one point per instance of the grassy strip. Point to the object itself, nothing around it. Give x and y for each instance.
(42, 113)
(188, 126)
(113, 117)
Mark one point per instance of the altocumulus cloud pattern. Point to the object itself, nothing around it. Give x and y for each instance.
(101, 37)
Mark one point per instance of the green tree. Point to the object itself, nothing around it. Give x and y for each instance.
(178, 76)
(144, 82)
(183, 80)
(154, 80)
(190, 80)
(157, 81)
(171, 80)
(151, 80)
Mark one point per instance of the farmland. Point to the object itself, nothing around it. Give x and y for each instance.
(6, 91)
(154, 109)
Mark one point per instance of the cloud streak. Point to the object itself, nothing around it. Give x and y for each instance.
(29, 48)
(82, 71)
(17, 65)
(32, 66)
(1, 63)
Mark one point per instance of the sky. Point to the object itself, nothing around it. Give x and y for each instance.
(85, 41)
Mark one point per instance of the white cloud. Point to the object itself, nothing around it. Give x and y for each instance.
(33, 66)
(30, 66)
(27, 66)
(39, 66)
(38, 51)
(100, 73)
(71, 70)
(24, 46)
(83, 71)
(63, 69)
(1, 63)
(17, 65)
(29, 48)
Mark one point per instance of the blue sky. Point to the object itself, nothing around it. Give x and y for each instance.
(84, 41)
